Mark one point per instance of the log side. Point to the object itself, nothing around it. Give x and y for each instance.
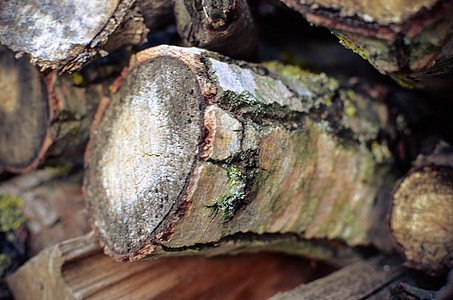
(201, 154)
(410, 40)
(77, 269)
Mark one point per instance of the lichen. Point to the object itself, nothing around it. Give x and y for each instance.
(348, 98)
(362, 52)
(78, 79)
(234, 174)
(11, 216)
(381, 152)
(228, 204)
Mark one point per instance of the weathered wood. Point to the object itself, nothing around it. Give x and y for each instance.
(357, 281)
(422, 218)
(410, 40)
(198, 153)
(225, 26)
(77, 269)
(41, 114)
(60, 34)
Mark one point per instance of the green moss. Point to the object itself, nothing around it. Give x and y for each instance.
(236, 101)
(11, 216)
(5, 262)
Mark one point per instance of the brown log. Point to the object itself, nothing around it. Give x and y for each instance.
(42, 114)
(77, 269)
(224, 26)
(410, 40)
(200, 154)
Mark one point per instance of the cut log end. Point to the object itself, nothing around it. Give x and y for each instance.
(23, 107)
(143, 152)
(421, 218)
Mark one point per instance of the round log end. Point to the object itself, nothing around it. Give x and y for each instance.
(422, 218)
(24, 114)
(143, 153)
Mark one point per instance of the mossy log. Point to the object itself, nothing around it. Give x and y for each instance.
(65, 35)
(410, 40)
(41, 113)
(200, 154)
(77, 269)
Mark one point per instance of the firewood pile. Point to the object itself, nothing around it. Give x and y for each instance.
(226, 149)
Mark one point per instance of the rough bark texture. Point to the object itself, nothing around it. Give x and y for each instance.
(422, 218)
(41, 114)
(258, 159)
(411, 40)
(60, 34)
(224, 26)
(77, 269)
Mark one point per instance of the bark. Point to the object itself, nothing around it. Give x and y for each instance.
(42, 114)
(224, 26)
(77, 269)
(200, 154)
(65, 35)
(409, 40)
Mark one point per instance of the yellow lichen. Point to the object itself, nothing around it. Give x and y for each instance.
(362, 52)
(11, 216)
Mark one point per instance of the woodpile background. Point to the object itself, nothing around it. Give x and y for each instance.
(226, 149)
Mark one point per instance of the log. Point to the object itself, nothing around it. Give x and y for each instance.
(198, 153)
(409, 40)
(223, 26)
(41, 114)
(361, 280)
(379, 277)
(63, 35)
(77, 269)
(422, 218)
